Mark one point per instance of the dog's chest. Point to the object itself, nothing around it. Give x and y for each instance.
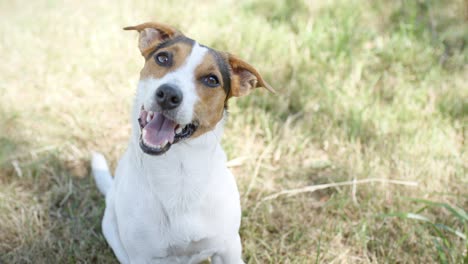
(162, 222)
(153, 231)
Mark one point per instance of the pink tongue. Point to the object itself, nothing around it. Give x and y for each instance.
(158, 130)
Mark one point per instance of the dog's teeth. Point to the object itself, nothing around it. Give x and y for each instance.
(149, 116)
(179, 130)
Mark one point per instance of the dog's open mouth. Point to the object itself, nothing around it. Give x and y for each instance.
(158, 132)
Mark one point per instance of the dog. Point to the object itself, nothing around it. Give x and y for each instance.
(173, 199)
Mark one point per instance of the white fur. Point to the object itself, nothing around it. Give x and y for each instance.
(179, 207)
(101, 172)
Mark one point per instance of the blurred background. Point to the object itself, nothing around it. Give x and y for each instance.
(369, 92)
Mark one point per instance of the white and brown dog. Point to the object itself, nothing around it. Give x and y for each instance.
(173, 200)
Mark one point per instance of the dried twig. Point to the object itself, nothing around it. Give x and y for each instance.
(17, 168)
(314, 188)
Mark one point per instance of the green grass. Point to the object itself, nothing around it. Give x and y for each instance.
(366, 89)
(441, 232)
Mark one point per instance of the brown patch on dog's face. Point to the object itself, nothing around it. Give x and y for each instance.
(173, 55)
(209, 109)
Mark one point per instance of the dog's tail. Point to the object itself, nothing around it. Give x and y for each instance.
(101, 172)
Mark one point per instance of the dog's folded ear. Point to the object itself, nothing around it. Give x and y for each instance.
(244, 77)
(151, 34)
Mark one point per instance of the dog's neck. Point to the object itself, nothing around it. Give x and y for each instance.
(185, 170)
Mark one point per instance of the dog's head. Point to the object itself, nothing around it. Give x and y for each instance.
(184, 86)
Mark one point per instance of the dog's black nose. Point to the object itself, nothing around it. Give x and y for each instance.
(168, 96)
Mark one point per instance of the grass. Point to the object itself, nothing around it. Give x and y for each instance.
(367, 89)
(441, 232)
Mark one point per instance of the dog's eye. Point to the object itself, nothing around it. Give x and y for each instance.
(163, 59)
(210, 80)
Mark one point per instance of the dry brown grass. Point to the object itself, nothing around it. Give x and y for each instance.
(367, 89)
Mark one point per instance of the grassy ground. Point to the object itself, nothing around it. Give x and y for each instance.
(367, 89)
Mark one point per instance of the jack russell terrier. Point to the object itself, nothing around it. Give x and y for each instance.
(173, 199)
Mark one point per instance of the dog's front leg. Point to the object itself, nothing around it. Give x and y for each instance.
(109, 229)
(231, 254)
